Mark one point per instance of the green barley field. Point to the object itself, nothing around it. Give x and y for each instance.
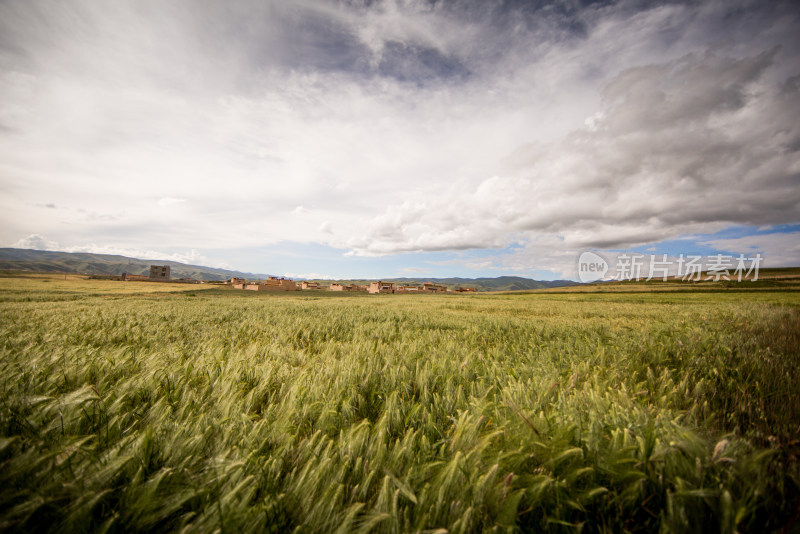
(138, 407)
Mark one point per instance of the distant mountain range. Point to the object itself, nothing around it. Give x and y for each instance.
(15, 259)
(501, 283)
(107, 264)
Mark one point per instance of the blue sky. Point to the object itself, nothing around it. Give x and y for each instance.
(355, 139)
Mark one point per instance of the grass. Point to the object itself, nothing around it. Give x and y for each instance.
(188, 409)
(48, 288)
(772, 279)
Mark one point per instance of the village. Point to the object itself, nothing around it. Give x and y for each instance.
(285, 284)
(161, 273)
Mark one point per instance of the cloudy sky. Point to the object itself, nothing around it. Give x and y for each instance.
(387, 138)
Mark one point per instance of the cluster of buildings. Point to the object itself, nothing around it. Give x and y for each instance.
(161, 273)
(285, 284)
(270, 284)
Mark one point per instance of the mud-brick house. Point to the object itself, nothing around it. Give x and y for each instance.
(310, 285)
(467, 289)
(430, 287)
(349, 287)
(235, 281)
(159, 273)
(381, 287)
(273, 284)
(409, 289)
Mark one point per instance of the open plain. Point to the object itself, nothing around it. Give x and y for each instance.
(129, 407)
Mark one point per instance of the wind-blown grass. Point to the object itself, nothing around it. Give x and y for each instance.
(239, 413)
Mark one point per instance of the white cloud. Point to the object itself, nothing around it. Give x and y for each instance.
(300, 210)
(660, 163)
(35, 242)
(170, 201)
(777, 249)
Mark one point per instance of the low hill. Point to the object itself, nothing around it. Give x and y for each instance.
(106, 264)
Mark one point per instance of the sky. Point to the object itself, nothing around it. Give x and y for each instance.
(369, 139)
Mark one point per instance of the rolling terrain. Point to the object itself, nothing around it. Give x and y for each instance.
(12, 259)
